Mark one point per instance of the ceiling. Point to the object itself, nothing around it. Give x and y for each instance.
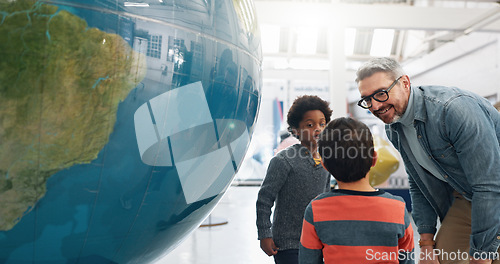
(323, 42)
(299, 34)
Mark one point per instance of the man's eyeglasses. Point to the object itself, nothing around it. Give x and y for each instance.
(379, 96)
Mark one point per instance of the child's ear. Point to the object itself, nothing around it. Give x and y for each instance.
(324, 166)
(375, 157)
(294, 132)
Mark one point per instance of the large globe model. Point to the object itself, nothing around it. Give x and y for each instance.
(121, 123)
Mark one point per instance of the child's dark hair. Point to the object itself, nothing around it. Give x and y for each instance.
(303, 104)
(346, 147)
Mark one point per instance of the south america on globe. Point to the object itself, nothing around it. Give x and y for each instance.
(60, 86)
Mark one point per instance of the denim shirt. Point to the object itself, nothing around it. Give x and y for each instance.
(460, 132)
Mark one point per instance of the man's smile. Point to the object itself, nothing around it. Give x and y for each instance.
(382, 111)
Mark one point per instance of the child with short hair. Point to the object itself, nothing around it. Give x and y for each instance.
(294, 177)
(355, 223)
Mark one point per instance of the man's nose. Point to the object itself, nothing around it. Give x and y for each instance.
(376, 105)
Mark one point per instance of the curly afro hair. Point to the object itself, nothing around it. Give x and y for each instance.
(305, 103)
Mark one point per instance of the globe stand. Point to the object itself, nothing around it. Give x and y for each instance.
(213, 221)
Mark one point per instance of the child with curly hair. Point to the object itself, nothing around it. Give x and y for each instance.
(294, 177)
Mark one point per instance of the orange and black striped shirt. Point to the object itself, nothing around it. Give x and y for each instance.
(344, 226)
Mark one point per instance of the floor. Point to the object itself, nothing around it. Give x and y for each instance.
(234, 242)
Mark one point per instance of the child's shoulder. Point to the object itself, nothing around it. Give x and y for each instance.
(289, 152)
(377, 193)
(331, 193)
(392, 196)
(335, 194)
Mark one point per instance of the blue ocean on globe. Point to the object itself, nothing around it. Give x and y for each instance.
(122, 124)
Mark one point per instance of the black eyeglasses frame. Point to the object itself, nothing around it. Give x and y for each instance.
(371, 96)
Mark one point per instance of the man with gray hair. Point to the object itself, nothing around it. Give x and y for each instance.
(449, 141)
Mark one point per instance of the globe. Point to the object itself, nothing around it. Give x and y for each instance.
(122, 123)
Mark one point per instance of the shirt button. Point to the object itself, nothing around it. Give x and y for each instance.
(446, 176)
(419, 136)
(498, 237)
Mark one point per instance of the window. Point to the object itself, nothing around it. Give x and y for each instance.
(154, 46)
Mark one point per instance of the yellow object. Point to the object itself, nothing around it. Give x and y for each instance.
(387, 162)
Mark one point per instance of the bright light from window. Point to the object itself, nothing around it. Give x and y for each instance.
(270, 37)
(245, 11)
(281, 63)
(414, 41)
(382, 42)
(134, 4)
(309, 64)
(350, 37)
(307, 37)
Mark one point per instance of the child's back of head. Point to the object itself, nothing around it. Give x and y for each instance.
(346, 147)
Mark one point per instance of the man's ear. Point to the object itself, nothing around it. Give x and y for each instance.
(406, 81)
(375, 157)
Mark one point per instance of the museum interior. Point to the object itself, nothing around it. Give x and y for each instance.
(315, 47)
(141, 131)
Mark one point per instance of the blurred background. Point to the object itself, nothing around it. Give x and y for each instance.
(316, 46)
